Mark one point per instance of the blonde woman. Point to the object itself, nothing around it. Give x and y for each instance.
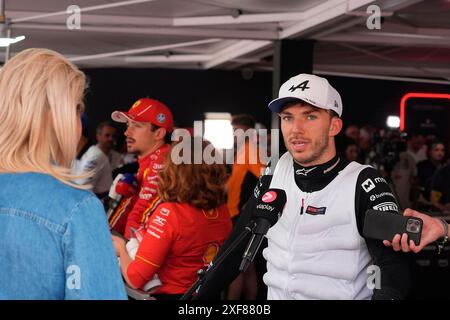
(54, 238)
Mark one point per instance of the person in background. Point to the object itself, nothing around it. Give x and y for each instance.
(440, 189)
(416, 147)
(101, 160)
(149, 124)
(349, 149)
(426, 170)
(185, 231)
(240, 185)
(404, 178)
(106, 140)
(54, 237)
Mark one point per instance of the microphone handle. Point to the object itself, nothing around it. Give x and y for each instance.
(112, 208)
(259, 231)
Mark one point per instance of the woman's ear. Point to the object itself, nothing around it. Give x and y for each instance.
(335, 127)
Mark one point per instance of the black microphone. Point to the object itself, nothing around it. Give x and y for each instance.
(269, 207)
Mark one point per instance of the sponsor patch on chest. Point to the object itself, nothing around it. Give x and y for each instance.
(314, 211)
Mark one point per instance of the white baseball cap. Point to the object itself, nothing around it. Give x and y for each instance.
(309, 88)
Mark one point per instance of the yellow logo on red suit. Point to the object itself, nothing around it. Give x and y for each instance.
(211, 214)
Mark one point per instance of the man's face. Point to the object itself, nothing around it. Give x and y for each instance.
(306, 131)
(437, 152)
(106, 137)
(139, 137)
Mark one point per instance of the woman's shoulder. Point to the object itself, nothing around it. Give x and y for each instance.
(43, 194)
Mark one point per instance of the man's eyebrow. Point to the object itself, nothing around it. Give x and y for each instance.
(312, 110)
(306, 112)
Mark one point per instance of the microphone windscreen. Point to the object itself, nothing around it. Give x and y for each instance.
(130, 179)
(270, 205)
(124, 189)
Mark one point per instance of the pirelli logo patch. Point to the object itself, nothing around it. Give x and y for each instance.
(386, 206)
(315, 211)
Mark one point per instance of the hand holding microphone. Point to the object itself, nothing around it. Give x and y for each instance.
(266, 213)
(124, 186)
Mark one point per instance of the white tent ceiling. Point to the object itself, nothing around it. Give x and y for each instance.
(414, 39)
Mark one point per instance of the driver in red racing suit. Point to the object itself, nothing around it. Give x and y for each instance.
(149, 123)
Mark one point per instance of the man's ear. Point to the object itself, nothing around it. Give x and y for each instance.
(160, 133)
(335, 127)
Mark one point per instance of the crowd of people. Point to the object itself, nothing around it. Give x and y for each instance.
(57, 242)
(416, 165)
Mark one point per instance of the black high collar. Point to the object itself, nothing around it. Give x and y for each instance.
(314, 178)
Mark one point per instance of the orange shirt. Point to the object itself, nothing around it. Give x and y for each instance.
(241, 168)
(179, 240)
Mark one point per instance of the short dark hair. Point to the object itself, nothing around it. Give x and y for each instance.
(333, 113)
(432, 143)
(167, 137)
(245, 120)
(105, 124)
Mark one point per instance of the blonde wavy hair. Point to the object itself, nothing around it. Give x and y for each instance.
(200, 185)
(41, 102)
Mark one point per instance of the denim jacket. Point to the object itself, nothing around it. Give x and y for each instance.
(54, 242)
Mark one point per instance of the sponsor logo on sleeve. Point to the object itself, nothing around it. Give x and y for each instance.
(380, 180)
(153, 234)
(386, 206)
(381, 195)
(160, 221)
(368, 185)
(164, 212)
(156, 229)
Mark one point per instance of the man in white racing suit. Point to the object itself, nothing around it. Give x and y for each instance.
(317, 250)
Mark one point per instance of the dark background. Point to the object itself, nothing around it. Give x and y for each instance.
(190, 93)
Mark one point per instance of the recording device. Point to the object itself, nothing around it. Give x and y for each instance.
(269, 207)
(123, 186)
(384, 225)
